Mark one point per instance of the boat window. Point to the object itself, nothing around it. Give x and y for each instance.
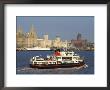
(67, 58)
(58, 57)
(46, 62)
(70, 53)
(54, 62)
(76, 61)
(35, 62)
(43, 63)
(38, 63)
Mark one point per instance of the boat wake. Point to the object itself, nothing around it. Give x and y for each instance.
(23, 69)
(28, 70)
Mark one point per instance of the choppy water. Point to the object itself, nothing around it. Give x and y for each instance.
(23, 57)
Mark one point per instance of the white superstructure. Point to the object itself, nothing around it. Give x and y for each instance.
(65, 57)
(69, 57)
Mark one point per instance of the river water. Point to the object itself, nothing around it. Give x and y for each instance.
(23, 57)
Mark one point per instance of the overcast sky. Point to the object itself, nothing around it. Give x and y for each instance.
(67, 27)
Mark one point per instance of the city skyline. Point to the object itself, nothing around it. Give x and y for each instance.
(66, 27)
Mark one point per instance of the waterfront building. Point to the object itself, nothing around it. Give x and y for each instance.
(79, 42)
(39, 42)
(31, 38)
(47, 42)
(57, 42)
(90, 46)
(20, 38)
(64, 44)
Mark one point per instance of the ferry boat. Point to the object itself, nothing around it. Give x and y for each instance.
(60, 59)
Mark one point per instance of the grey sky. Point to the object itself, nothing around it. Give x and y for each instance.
(67, 27)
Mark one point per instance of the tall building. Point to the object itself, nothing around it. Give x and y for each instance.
(79, 36)
(31, 38)
(79, 42)
(20, 37)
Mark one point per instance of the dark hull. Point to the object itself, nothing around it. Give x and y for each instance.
(50, 66)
